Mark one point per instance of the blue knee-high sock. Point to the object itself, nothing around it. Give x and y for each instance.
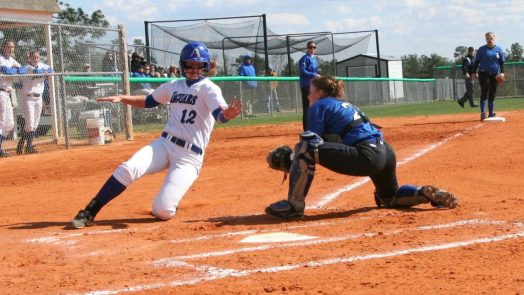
(491, 107)
(483, 106)
(110, 190)
(407, 190)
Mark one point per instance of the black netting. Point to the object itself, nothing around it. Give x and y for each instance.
(227, 41)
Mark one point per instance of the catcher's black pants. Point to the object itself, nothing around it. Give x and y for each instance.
(374, 158)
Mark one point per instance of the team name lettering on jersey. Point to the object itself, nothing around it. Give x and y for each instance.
(183, 98)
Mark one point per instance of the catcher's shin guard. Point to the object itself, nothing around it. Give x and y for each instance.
(302, 169)
(410, 195)
(405, 197)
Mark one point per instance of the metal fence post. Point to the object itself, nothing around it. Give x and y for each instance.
(125, 82)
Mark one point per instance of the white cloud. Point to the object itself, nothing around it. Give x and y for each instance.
(287, 19)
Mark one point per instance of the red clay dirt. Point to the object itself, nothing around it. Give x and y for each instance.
(356, 248)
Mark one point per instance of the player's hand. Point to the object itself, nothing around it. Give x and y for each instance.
(115, 99)
(467, 76)
(234, 109)
(474, 76)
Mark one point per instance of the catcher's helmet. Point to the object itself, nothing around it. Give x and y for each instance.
(194, 51)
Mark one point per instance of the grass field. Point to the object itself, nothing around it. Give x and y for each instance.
(397, 110)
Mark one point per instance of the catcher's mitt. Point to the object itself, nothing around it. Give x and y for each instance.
(279, 158)
(500, 78)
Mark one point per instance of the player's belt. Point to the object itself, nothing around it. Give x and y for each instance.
(33, 95)
(182, 143)
(3, 90)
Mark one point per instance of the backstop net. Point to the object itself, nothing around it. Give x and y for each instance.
(230, 38)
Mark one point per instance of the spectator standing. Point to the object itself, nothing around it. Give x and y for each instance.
(32, 90)
(490, 63)
(144, 88)
(308, 66)
(273, 103)
(248, 87)
(467, 70)
(8, 66)
(173, 72)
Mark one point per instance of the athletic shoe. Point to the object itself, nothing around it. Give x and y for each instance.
(492, 115)
(284, 210)
(482, 116)
(439, 198)
(31, 150)
(474, 105)
(460, 103)
(82, 219)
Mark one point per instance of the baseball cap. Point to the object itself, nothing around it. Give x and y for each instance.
(471, 49)
(247, 56)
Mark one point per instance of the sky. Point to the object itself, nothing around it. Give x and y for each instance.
(404, 27)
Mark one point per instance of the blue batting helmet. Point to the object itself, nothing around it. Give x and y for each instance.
(194, 51)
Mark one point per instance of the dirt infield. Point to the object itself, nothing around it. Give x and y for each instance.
(349, 246)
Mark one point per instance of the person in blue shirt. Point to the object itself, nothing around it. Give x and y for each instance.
(341, 138)
(308, 66)
(248, 87)
(490, 63)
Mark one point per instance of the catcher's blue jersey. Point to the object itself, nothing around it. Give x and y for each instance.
(330, 115)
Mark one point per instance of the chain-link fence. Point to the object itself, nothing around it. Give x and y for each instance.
(44, 111)
(86, 63)
(452, 86)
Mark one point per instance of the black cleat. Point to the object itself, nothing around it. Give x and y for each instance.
(439, 198)
(483, 116)
(283, 210)
(82, 219)
(460, 103)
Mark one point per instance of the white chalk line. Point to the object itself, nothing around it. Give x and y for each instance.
(176, 259)
(213, 273)
(363, 180)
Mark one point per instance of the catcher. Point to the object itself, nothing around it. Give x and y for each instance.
(341, 138)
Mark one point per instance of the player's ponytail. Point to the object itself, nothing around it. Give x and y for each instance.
(330, 86)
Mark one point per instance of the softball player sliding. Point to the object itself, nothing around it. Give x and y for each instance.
(32, 90)
(195, 104)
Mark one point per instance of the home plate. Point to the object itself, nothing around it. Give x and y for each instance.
(276, 237)
(497, 119)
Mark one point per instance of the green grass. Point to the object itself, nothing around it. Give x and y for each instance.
(398, 110)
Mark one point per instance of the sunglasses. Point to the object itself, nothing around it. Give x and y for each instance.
(312, 47)
(198, 67)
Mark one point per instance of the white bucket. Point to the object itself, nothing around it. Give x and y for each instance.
(95, 131)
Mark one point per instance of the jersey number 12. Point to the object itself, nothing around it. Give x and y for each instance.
(190, 117)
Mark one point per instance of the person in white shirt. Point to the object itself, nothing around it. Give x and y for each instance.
(195, 104)
(8, 66)
(32, 91)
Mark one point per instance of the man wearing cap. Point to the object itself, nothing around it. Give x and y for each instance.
(467, 70)
(248, 87)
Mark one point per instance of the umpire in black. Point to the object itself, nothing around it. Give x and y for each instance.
(467, 70)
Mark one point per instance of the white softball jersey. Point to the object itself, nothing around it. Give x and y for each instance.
(191, 121)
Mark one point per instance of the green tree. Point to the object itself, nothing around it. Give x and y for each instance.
(78, 42)
(423, 66)
(410, 66)
(515, 54)
(460, 53)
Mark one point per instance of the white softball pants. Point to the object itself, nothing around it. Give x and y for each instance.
(32, 108)
(6, 114)
(183, 169)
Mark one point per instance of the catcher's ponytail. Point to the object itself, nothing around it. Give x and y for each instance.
(330, 85)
